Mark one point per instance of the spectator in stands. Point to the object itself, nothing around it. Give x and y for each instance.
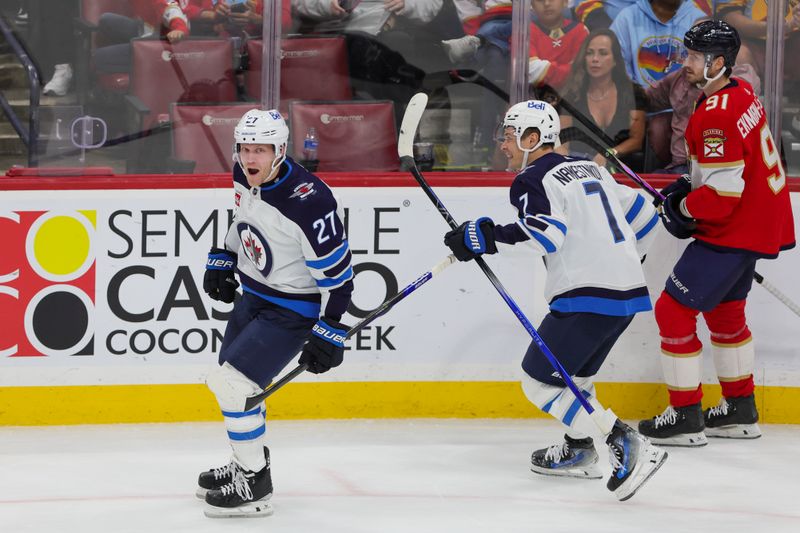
(676, 93)
(368, 16)
(50, 45)
(600, 90)
(153, 17)
(554, 42)
(227, 17)
(749, 18)
(651, 33)
(596, 14)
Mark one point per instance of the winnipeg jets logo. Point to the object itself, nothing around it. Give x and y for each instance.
(303, 191)
(255, 248)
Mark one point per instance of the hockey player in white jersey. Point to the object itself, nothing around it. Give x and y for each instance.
(593, 234)
(288, 246)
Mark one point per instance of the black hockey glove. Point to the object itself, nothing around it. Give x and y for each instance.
(219, 281)
(471, 239)
(676, 222)
(325, 347)
(681, 185)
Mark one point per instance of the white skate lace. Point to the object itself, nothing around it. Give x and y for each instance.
(556, 452)
(719, 410)
(224, 471)
(615, 457)
(670, 416)
(239, 485)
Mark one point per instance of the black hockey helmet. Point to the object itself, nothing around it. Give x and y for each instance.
(714, 38)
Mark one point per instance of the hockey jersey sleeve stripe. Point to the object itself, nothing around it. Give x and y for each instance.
(648, 227)
(333, 282)
(306, 309)
(340, 266)
(331, 259)
(546, 243)
(557, 223)
(726, 181)
(635, 208)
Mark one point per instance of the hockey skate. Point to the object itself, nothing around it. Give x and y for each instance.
(733, 418)
(682, 426)
(217, 477)
(633, 458)
(246, 495)
(572, 458)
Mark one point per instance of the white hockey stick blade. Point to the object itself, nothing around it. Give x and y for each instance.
(408, 129)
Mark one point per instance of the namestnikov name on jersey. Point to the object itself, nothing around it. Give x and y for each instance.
(591, 231)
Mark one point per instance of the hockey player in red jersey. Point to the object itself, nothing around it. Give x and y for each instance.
(736, 206)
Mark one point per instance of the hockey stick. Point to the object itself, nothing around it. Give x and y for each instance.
(583, 137)
(408, 130)
(252, 401)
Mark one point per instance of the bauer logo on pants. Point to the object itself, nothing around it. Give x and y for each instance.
(47, 283)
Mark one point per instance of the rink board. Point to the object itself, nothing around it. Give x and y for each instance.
(105, 319)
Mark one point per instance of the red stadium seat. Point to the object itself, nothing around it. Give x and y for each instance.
(86, 26)
(321, 59)
(204, 134)
(352, 135)
(189, 71)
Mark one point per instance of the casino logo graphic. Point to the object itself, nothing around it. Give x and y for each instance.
(659, 56)
(47, 283)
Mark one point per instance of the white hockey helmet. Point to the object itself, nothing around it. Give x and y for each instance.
(533, 114)
(262, 127)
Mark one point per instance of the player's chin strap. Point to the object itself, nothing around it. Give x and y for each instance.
(709, 59)
(527, 152)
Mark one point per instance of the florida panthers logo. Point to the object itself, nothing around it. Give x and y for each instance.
(255, 248)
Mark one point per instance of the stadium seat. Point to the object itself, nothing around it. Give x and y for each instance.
(86, 27)
(204, 134)
(352, 135)
(322, 59)
(192, 70)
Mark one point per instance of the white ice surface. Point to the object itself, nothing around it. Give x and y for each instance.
(384, 476)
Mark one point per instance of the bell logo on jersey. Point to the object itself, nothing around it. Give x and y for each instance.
(47, 283)
(255, 248)
(713, 143)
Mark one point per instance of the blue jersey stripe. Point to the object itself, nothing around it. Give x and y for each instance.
(306, 309)
(546, 243)
(332, 259)
(332, 282)
(635, 208)
(248, 435)
(556, 223)
(602, 306)
(646, 229)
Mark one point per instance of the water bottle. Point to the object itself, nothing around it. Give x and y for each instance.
(310, 145)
